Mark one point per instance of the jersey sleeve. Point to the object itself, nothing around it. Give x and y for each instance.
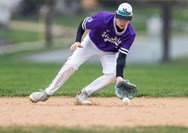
(93, 22)
(127, 44)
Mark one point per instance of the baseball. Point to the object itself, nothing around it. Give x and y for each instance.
(126, 101)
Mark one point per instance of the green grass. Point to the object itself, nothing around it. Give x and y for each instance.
(94, 130)
(19, 78)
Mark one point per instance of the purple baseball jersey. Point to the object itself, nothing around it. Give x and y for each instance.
(104, 34)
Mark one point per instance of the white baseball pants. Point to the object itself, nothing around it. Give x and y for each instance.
(80, 55)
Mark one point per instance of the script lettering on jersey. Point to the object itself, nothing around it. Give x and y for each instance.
(114, 40)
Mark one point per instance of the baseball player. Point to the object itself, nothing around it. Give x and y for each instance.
(110, 38)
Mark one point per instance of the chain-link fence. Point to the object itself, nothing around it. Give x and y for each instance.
(161, 27)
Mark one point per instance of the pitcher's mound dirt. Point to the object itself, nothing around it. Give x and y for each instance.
(62, 111)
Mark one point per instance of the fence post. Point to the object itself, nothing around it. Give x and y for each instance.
(48, 22)
(166, 8)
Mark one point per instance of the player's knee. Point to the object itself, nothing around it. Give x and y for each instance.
(72, 64)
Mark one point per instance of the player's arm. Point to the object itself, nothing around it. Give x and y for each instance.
(121, 63)
(80, 32)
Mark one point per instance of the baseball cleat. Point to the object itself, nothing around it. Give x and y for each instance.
(82, 98)
(39, 96)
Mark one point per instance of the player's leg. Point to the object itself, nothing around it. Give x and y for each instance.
(65, 72)
(70, 66)
(108, 61)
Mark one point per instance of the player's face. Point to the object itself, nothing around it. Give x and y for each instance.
(121, 23)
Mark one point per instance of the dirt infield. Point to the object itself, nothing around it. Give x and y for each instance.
(62, 111)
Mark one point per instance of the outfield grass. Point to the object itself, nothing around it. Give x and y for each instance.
(155, 81)
(20, 78)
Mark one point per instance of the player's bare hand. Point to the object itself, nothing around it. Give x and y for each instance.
(75, 46)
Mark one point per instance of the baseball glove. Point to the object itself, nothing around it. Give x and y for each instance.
(125, 89)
